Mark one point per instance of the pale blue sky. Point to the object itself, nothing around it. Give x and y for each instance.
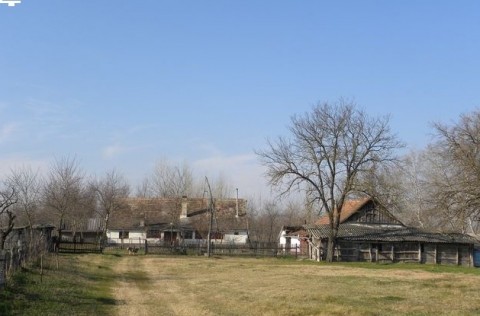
(122, 83)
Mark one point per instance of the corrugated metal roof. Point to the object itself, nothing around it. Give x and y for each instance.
(388, 233)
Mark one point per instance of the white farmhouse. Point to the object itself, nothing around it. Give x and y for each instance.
(178, 221)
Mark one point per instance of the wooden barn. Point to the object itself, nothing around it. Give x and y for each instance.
(368, 232)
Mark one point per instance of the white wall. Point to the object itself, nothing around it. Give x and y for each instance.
(294, 240)
(237, 239)
(134, 237)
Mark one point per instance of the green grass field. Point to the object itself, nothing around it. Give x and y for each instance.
(118, 284)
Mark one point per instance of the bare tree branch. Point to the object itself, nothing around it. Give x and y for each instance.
(328, 149)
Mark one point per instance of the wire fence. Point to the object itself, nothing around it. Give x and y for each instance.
(20, 255)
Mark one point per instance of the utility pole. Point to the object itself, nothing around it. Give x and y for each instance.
(210, 224)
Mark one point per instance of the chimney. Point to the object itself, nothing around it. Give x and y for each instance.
(184, 212)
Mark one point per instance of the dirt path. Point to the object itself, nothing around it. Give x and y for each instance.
(132, 290)
(146, 287)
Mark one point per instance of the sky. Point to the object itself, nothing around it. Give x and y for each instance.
(124, 84)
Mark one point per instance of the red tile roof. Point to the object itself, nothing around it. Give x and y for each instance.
(349, 208)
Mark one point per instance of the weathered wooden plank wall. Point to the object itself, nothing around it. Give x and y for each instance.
(453, 254)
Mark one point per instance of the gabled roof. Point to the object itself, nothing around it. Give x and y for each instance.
(293, 231)
(349, 208)
(145, 212)
(387, 230)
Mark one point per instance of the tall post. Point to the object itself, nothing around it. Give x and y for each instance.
(171, 237)
(419, 253)
(210, 224)
(458, 256)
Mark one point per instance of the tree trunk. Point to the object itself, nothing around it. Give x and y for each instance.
(331, 243)
(103, 238)
(6, 231)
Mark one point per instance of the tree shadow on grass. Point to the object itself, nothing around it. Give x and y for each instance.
(110, 301)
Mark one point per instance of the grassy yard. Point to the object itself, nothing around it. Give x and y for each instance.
(77, 287)
(153, 285)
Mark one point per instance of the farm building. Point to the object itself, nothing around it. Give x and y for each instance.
(178, 221)
(293, 240)
(368, 232)
(22, 235)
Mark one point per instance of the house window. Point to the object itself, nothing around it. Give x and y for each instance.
(123, 234)
(152, 233)
(188, 234)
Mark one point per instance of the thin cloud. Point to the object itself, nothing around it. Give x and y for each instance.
(113, 151)
(59, 119)
(6, 131)
(47, 112)
(226, 162)
(242, 171)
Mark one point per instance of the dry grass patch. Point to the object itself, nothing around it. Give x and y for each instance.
(153, 285)
(243, 286)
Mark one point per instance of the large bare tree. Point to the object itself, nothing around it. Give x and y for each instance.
(111, 191)
(8, 198)
(326, 152)
(269, 222)
(28, 186)
(457, 180)
(267, 217)
(169, 180)
(64, 192)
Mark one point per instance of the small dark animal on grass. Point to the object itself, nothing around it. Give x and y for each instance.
(132, 250)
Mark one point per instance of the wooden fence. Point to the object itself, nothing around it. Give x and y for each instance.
(19, 255)
(79, 247)
(256, 249)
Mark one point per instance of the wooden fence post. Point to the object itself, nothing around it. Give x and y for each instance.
(146, 246)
